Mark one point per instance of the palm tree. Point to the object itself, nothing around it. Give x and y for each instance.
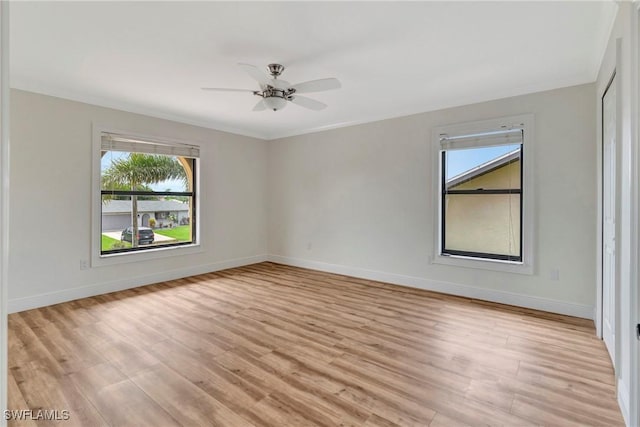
(127, 187)
(137, 171)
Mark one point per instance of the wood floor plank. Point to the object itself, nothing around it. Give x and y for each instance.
(272, 345)
(377, 421)
(234, 392)
(124, 404)
(44, 391)
(316, 404)
(17, 403)
(128, 358)
(435, 399)
(177, 395)
(545, 414)
(370, 397)
(443, 421)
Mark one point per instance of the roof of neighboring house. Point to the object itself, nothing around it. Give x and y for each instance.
(124, 206)
(484, 168)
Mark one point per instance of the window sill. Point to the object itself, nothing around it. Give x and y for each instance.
(98, 260)
(485, 264)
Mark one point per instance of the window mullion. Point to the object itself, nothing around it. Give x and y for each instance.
(145, 193)
(483, 191)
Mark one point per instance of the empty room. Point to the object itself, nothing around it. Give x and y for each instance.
(319, 213)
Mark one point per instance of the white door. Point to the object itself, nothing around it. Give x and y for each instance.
(609, 218)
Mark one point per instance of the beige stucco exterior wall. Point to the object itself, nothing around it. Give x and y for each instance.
(485, 223)
(507, 176)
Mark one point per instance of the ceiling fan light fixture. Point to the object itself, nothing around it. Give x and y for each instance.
(275, 103)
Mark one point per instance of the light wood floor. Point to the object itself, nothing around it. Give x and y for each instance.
(269, 345)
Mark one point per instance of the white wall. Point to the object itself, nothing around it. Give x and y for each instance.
(619, 57)
(359, 200)
(50, 217)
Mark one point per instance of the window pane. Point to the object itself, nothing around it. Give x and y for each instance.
(483, 223)
(487, 168)
(162, 221)
(146, 172)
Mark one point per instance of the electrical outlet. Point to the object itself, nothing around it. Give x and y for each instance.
(84, 264)
(309, 246)
(554, 274)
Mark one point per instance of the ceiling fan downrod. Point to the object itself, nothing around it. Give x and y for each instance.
(275, 70)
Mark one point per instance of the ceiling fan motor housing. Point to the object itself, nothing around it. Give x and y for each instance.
(276, 99)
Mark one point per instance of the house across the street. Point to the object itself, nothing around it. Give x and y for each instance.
(116, 214)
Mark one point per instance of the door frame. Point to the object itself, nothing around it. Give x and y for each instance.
(634, 300)
(601, 200)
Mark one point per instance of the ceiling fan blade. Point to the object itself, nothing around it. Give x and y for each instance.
(255, 73)
(317, 85)
(309, 103)
(223, 89)
(260, 106)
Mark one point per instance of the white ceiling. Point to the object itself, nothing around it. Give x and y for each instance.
(392, 58)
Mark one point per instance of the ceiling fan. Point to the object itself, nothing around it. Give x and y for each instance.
(275, 92)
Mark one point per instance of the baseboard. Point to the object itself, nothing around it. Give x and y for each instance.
(520, 300)
(623, 401)
(538, 303)
(42, 300)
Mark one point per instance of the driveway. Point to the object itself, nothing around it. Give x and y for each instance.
(159, 238)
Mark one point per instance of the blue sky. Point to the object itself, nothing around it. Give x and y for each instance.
(173, 185)
(459, 161)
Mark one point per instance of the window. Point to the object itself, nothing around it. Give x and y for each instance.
(482, 202)
(147, 194)
(483, 194)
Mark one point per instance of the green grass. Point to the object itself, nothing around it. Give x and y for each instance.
(181, 233)
(108, 242)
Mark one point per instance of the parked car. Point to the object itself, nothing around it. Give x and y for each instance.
(145, 235)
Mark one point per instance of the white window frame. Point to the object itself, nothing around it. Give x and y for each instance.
(98, 259)
(526, 123)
